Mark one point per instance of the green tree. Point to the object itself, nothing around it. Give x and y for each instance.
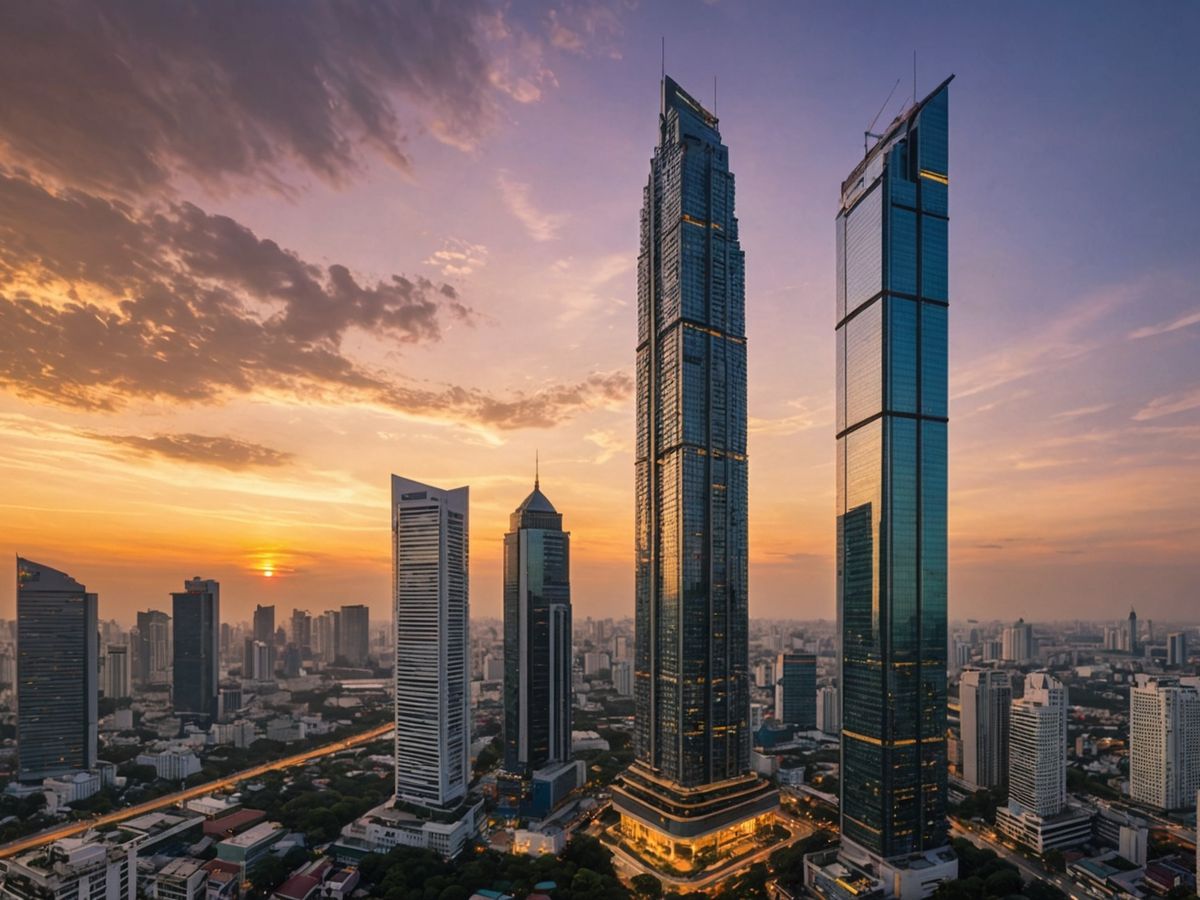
(647, 887)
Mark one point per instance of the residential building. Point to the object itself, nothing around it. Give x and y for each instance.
(152, 648)
(1164, 742)
(57, 673)
(432, 662)
(197, 623)
(691, 789)
(796, 690)
(355, 634)
(77, 868)
(182, 878)
(116, 672)
(829, 711)
(985, 700)
(622, 677)
(1017, 642)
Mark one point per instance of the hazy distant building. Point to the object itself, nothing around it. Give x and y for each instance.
(432, 663)
(537, 637)
(355, 634)
(116, 672)
(796, 690)
(327, 636)
(622, 677)
(985, 698)
(1177, 654)
(302, 632)
(152, 648)
(829, 711)
(197, 623)
(1018, 642)
(1164, 743)
(261, 669)
(264, 624)
(1132, 632)
(57, 673)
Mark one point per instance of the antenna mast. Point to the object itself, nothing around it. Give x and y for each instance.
(868, 134)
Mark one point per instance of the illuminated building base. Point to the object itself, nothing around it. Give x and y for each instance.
(686, 831)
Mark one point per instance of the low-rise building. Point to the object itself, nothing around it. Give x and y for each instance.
(182, 878)
(75, 869)
(247, 848)
(171, 764)
(387, 827)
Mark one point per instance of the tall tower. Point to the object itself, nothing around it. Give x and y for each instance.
(430, 590)
(892, 300)
(196, 613)
(1133, 631)
(690, 787)
(537, 637)
(57, 673)
(355, 638)
(153, 646)
(985, 698)
(1164, 743)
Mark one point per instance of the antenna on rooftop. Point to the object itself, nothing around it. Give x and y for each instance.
(914, 77)
(868, 134)
(536, 474)
(714, 95)
(664, 57)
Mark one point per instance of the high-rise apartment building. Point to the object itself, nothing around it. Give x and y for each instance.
(985, 699)
(796, 690)
(302, 632)
(255, 666)
(829, 711)
(264, 624)
(892, 301)
(153, 660)
(1017, 642)
(432, 664)
(691, 790)
(196, 613)
(537, 637)
(355, 642)
(327, 636)
(1164, 743)
(116, 672)
(57, 673)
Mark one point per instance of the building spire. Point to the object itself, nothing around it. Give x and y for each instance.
(536, 478)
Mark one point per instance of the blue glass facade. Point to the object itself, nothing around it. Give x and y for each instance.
(691, 682)
(892, 303)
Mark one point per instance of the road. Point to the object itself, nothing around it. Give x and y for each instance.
(74, 828)
(1028, 869)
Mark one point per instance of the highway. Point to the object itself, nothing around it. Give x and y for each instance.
(130, 812)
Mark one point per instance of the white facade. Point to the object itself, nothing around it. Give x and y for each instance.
(75, 869)
(829, 711)
(385, 828)
(622, 678)
(171, 765)
(985, 699)
(432, 662)
(1037, 769)
(1017, 642)
(1164, 743)
(116, 672)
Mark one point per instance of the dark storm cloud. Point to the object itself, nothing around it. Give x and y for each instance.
(120, 96)
(182, 305)
(201, 449)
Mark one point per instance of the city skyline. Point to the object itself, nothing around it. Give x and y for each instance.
(1081, 395)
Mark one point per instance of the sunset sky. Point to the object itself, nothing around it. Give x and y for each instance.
(253, 260)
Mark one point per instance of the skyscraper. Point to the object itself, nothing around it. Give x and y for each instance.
(985, 698)
(57, 673)
(197, 620)
(302, 632)
(1177, 654)
(1017, 642)
(153, 646)
(690, 788)
(1037, 814)
(257, 665)
(116, 672)
(892, 300)
(537, 637)
(796, 690)
(432, 669)
(264, 624)
(355, 638)
(1164, 742)
(1133, 631)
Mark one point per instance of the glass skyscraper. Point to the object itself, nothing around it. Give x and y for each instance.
(892, 298)
(537, 637)
(196, 618)
(690, 789)
(57, 673)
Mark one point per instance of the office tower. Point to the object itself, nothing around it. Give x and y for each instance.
(622, 678)
(57, 673)
(984, 699)
(302, 632)
(1164, 743)
(537, 637)
(1177, 648)
(1132, 631)
(432, 666)
(197, 619)
(327, 636)
(829, 711)
(764, 674)
(690, 788)
(1017, 642)
(264, 633)
(153, 645)
(796, 690)
(892, 302)
(116, 672)
(355, 634)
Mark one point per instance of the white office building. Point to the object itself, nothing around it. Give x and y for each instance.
(1017, 644)
(432, 662)
(829, 711)
(985, 700)
(82, 868)
(1164, 742)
